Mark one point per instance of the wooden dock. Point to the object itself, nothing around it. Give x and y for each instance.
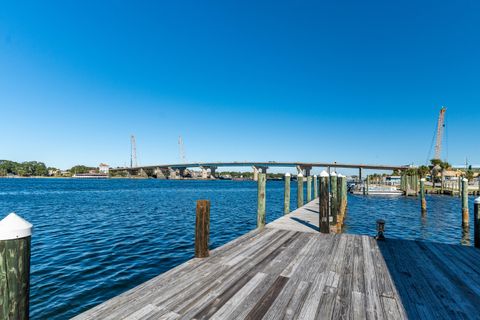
(289, 270)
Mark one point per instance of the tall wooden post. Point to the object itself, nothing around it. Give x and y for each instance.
(476, 223)
(342, 201)
(460, 186)
(15, 237)
(286, 202)
(442, 182)
(422, 196)
(465, 202)
(368, 185)
(416, 185)
(324, 197)
(261, 199)
(334, 197)
(315, 187)
(309, 189)
(202, 229)
(299, 190)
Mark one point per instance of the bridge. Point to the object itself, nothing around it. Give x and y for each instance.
(208, 169)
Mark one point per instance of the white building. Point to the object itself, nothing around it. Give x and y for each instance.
(103, 168)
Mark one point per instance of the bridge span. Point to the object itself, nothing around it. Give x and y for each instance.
(208, 169)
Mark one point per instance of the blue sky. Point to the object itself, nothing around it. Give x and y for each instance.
(344, 81)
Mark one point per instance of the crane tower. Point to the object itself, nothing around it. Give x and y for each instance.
(133, 152)
(440, 128)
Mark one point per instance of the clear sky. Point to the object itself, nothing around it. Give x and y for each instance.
(347, 81)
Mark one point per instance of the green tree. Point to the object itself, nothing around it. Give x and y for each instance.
(81, 169)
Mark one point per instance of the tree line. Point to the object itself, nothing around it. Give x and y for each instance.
(36, 169)
(24, 169)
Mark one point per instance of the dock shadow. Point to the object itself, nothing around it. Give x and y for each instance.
(314, 211)
(305, 223)
(425, 273)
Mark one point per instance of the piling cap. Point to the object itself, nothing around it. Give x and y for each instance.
(477, 200)
(14, 227)
(324, 174)
(341, 175)
(287, 174)
(465, 180)
(333, 174)
(300, 175)
(423, 179)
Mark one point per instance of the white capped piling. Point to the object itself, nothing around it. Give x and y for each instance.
(476, 223)
(261, 199)
(299, 190)
(15, 238)
(286, 201)
(465, 202)
(309, 188)
(315, 187)
(324, 197)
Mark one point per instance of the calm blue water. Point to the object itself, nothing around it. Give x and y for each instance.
(96, 239)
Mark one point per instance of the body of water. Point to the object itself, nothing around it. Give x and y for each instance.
(94, 239)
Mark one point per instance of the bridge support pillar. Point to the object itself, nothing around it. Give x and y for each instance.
(257, 170)
(206, 174)
(157, 172)
(142, 173)
(212, 172)
(304, 170)
(172, 173)
(359, 174)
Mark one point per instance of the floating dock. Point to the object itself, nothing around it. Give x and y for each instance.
(288, 270)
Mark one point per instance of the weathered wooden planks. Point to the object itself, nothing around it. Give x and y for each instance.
(289, 270)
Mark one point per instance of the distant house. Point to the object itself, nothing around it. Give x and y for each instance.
(392, 180)
(451, 174)
(103, 168)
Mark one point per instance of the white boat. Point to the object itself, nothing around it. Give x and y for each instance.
(375, 190)
(90, 176)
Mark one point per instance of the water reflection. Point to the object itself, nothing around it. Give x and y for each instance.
(465, 236)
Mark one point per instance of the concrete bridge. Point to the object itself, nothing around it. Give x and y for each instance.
(179, 171)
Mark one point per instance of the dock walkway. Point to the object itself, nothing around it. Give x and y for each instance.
(289, 270)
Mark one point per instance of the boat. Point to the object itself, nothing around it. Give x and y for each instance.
(90, 176)
(375, 189)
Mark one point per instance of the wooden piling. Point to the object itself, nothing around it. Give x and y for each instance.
(300, 190)
(324, 197)
(315, 187)
(476, 223)
(333, 198)
(465, 219)
(368, 186)
(442, 181)
(15, 238)
(342, 199)
(422, 196)
(460, 186)
(309, 189)
(286, 202)
(202, 229)
(261, 199)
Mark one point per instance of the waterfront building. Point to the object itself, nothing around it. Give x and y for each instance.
(103, 168)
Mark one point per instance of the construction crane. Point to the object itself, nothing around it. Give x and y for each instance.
(440, 128)
(133, 152)
(181, 149)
